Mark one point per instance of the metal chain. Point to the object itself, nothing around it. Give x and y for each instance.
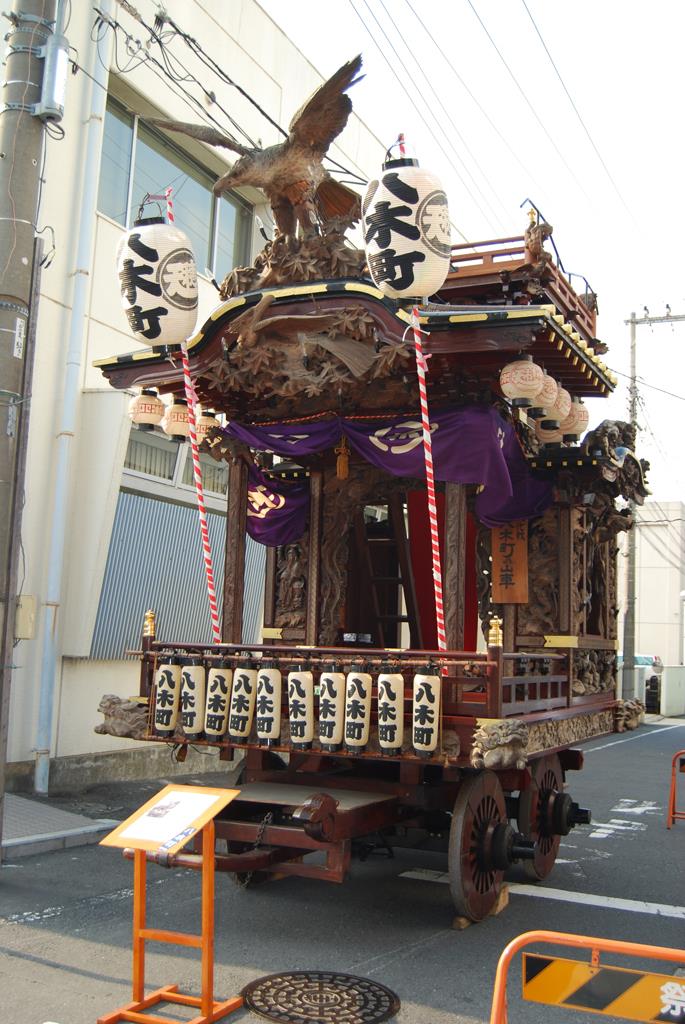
(266, 821)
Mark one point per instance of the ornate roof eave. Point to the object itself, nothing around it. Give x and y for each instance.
(482, 332)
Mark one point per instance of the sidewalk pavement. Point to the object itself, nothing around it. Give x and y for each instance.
(33, 824)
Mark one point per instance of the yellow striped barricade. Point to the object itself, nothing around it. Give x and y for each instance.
(633, 994)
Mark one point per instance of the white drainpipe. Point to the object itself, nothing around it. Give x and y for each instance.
(72, 373)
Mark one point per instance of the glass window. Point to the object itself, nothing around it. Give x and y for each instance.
(219, 230)
(214, 474)
(115, 166)
(233, 241)
(158, 164)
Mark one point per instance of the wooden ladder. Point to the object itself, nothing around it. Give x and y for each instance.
(386, 590)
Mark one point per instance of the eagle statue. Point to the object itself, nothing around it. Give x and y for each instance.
(291, 173)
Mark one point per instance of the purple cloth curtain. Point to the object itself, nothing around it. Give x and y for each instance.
(471, 445)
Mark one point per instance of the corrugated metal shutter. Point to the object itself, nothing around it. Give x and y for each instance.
(155, 561)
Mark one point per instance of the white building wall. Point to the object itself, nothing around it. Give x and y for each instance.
(258, 56)
(660, 580)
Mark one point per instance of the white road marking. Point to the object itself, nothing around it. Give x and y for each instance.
(610, 829)
(628, 739)
(633, 807)
(562, 895)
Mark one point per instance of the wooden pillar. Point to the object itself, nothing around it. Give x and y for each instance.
(234, 563)
(455, 564)
(314, 566)
(565, 570)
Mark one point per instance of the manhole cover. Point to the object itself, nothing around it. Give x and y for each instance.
(320, 997)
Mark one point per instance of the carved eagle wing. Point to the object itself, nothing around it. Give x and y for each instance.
(325, 114)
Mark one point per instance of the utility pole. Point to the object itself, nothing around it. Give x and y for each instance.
(628, 689)
(34, 76)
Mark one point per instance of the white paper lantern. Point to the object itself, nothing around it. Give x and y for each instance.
(301, 708)
(407, 234)
(576, 422)
(243, 697)
(204, 423)
(545, 398)
(426, 712)
(562, 406)
(158, 281)
(219, 680)
(548, 432)
(268, 707)
(146, 409)
(357, 710)
(167, 697)
(193, 680)
(175, 420)
(391, 712)
(331, 710)
(521, 380)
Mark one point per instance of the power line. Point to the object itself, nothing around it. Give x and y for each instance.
(451, 121)
(529, 104)
(481, 108)
(645, 384)
(408, 95)
(577, 112)
(669, 561)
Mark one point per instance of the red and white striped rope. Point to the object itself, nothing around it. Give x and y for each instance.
(421, 368)
(169, 204)
(202, 511)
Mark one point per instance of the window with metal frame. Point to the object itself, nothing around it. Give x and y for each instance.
(137, 160)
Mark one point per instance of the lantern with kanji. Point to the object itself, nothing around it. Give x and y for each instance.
(545, 398)
(576, 422)
(243, 697)
(406, 226)
(158, 281)
(193, 679)
(268, 707)
(357, 710)
(521, 380)
(219, 680)
(204, 424)
(301, 708)
(391, 712)
(331, 709)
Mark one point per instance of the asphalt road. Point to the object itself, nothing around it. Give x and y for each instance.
(65, 929)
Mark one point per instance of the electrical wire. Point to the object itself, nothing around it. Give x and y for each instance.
(669, 561)
(529, 104)
(474, 98)
(454, 126)
(577, 112)
(424, 101)
(646, 384)
(408, 95)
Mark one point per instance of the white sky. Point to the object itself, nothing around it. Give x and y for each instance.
(622, 64)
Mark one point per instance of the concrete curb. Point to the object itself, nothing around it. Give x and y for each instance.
(26, 846)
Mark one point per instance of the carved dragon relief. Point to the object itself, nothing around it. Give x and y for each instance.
(541, 615)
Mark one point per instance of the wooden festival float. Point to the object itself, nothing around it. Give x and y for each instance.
(370, 709)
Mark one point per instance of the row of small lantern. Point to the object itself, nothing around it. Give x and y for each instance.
(558, 416)
(148, 410)
(221, 703)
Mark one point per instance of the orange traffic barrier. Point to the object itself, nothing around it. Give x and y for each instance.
(673, 814)
(659, 990)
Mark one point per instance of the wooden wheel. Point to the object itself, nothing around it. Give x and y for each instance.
(475, 881)
(534, 815)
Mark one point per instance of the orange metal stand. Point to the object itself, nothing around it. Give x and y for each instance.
(498, 1014)
(673, 814)
(210, 1011)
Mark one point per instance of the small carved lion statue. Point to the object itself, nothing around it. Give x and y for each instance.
(629, 714)
(123, 718)
(500, 745)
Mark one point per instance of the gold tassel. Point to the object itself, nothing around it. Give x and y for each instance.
(342, 466)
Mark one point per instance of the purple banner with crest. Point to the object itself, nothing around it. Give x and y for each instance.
(471, 445)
